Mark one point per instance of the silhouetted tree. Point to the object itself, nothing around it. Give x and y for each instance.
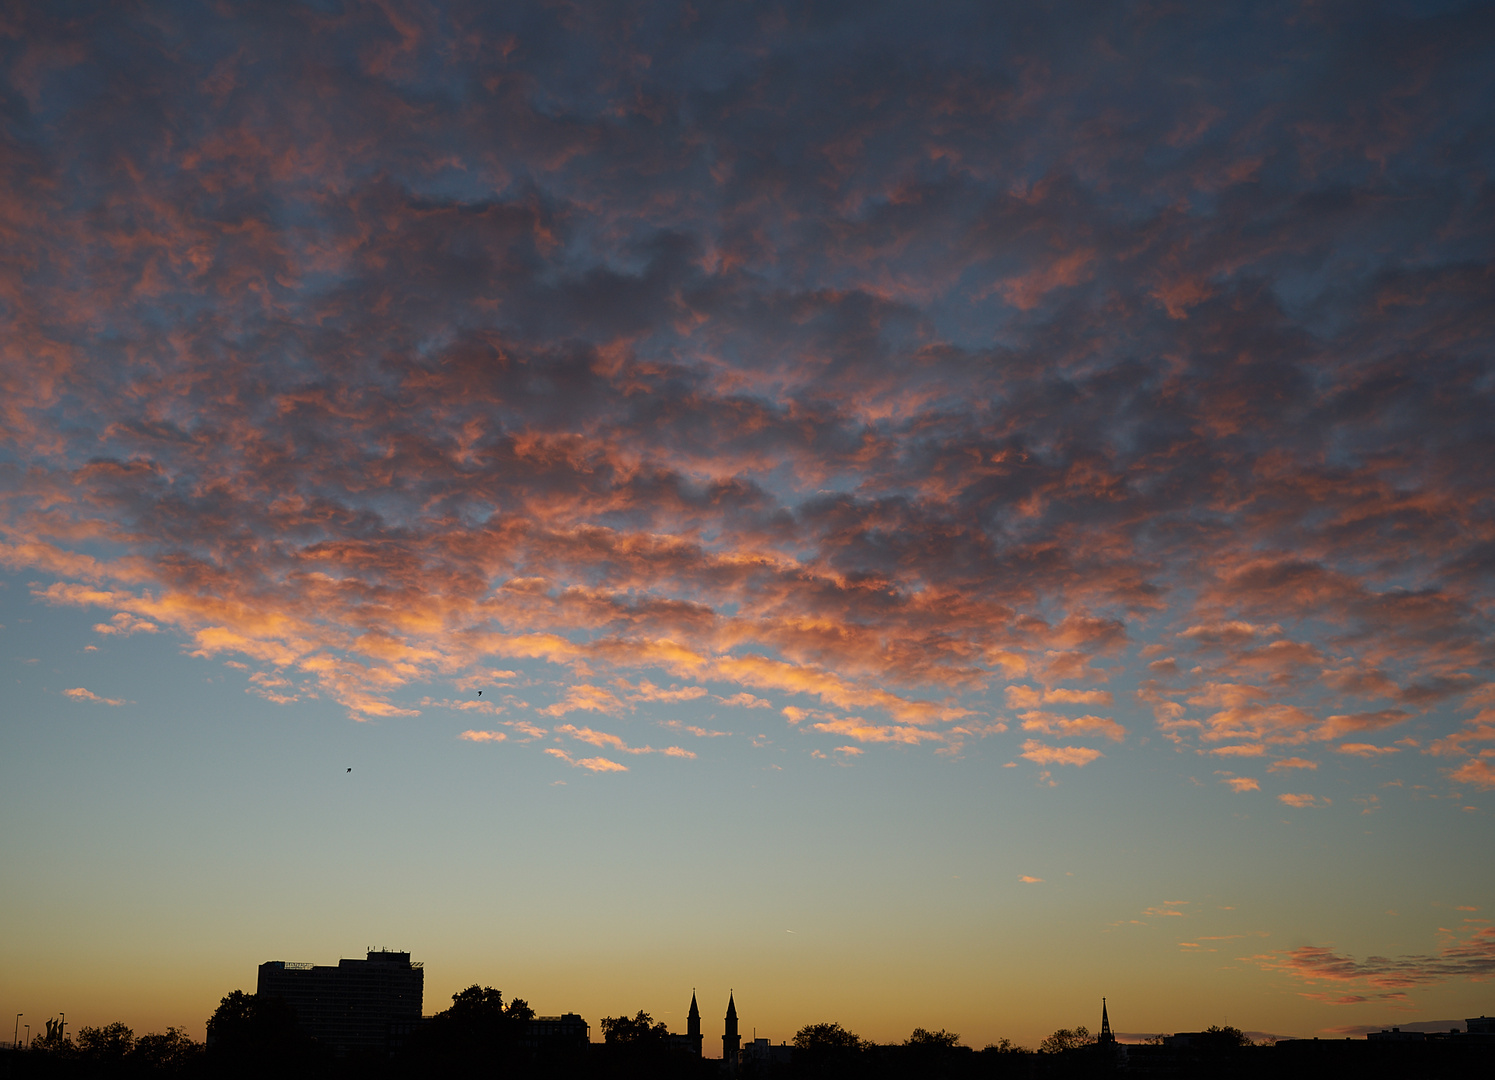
(640, 1030)
(827, 1050)
(167, 1053)
(822, 1038)
(1065, 1039)
(478, 1033)
(638, 1046)
(1004, 1046)
(102, 1051)
(250, 1033)
(931, 1054)
(1226, 1038)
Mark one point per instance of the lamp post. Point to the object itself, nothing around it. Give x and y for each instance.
(62, 1031)
(17, 1032)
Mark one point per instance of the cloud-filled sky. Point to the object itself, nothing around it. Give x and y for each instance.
(1053, 442)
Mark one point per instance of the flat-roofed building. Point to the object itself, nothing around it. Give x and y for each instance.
(357, 1005)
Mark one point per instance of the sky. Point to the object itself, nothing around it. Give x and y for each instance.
(912, 515)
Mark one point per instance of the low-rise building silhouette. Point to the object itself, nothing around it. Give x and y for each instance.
(358, 1005)
(568, 1030)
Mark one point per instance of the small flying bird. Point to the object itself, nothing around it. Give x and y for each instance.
(480, 693)
(350, 770)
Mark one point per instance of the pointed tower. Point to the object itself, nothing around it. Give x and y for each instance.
(693, 1024)
(731, 1041)
(1105, 1038)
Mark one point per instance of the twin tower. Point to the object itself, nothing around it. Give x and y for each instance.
(731, 1041)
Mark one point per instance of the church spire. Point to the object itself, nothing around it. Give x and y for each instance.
(731, 1041)
(693, 1019)
(1105, 1038)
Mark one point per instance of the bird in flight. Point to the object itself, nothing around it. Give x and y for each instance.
(350, 770)
(480, 693)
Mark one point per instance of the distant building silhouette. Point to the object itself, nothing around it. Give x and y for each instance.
(557, 1032)
(1105, 1038)
(691, 1040)
(761, 1054)
(731, 1041)
(357, 1005)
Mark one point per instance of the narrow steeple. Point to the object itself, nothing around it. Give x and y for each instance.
(731, 1041)
(1105, 1038)
(693, 1018)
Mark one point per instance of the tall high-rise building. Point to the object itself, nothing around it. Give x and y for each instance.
(356, 1005)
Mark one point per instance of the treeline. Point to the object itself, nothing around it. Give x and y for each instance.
(481, 1034)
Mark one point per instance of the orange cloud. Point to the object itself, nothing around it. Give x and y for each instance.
(591, 764)
(483, 736)
(78, 693)
(615, 742)
(583, 698)
(125, 623)
(1041, 754)
(855, 727)
(1301, 801)
(1476, 772)
(1075, 727)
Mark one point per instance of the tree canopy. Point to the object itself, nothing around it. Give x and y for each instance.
(823, 1038)
(640, 1030)
(1066, 1039)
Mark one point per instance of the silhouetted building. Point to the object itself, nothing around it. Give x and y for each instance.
(691, 1040)
(1480, 1025)
(731, 1041)
(568, 1030)
(1105, 1038)
(357, 1005)
(1398, 1035)
(761, 1053)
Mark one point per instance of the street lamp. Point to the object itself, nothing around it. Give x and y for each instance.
(16, 1033)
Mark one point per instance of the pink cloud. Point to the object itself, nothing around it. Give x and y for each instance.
(1469, 958)
(483, 736)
